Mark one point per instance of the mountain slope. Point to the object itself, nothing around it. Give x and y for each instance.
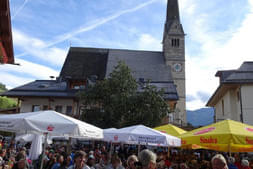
(200, 117)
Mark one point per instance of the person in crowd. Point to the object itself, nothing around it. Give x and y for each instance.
(245, 164)
(131, 162)
(238, 161)
(20, 164)
(104, 161)
(231, 163)
(219, 162)
(183, 166)
(91, 161)
(59, 161)
(79, 161)
(147, 159)
(115, 163)
(2, 156)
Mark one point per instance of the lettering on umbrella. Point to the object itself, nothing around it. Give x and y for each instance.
(204, 131)
(50, 128)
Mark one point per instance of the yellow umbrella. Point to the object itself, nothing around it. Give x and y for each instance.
(171, 130)
(226, 135)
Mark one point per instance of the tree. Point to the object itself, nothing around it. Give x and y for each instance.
(117, 101)
(2, 88)
(5, 102)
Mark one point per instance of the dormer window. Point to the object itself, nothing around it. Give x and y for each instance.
(77, 84)
(175, 42)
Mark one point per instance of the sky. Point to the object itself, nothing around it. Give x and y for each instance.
(218, 35)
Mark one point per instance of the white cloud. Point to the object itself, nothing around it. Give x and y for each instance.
(26, 72)
(10, 80)
(214, 54)
(147, 42)
(38, 48)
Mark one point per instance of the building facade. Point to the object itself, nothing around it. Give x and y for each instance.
(165, 70)
(233, 98)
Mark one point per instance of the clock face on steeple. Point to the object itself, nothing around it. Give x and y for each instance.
(177, 67)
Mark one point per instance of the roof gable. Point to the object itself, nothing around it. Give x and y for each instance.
(81, 63)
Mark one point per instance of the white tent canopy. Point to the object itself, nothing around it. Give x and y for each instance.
(50, 122)
(142, 135)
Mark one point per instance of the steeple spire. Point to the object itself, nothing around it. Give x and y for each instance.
(172, 10)
(172, 17)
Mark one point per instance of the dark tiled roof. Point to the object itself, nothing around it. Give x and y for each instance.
(81, 63)
(224, 74)
(242, 75)
(246, 66)
(143, 64)
(169, 89)
(84, 62)
(41, 88)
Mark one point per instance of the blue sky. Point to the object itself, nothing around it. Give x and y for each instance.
(218, 36)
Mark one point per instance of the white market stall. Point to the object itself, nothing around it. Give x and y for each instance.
(49, 123)
(140, 135)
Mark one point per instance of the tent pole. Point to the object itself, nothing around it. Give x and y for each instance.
(229, 149)
(139, 148)
(44, 149)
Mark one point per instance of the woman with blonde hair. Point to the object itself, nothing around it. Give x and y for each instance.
(131, 162)
(219, 162)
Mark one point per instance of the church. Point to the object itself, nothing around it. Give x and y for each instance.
(164, 69)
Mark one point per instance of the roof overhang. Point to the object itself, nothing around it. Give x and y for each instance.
(6, 45)
(220, 92)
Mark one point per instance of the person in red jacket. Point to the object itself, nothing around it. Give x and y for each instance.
(245, 164)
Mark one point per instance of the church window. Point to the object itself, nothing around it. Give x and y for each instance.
(175, 42)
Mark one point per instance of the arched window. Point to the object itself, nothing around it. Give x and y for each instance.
(175, 42)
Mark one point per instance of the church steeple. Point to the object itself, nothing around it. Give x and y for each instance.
(172, 10)
(174, 54)
(172, 17)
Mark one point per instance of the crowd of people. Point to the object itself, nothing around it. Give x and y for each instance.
(101, 156)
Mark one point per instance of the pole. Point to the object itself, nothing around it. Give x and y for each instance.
(139, 148)
(44, 149)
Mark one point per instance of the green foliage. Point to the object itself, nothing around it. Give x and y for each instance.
(2, 88)
(116, 102)
(6, 103)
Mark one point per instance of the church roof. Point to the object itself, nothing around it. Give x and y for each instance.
(82, 63)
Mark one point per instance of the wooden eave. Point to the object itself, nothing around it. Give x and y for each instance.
(219, 93)
(6, 32)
